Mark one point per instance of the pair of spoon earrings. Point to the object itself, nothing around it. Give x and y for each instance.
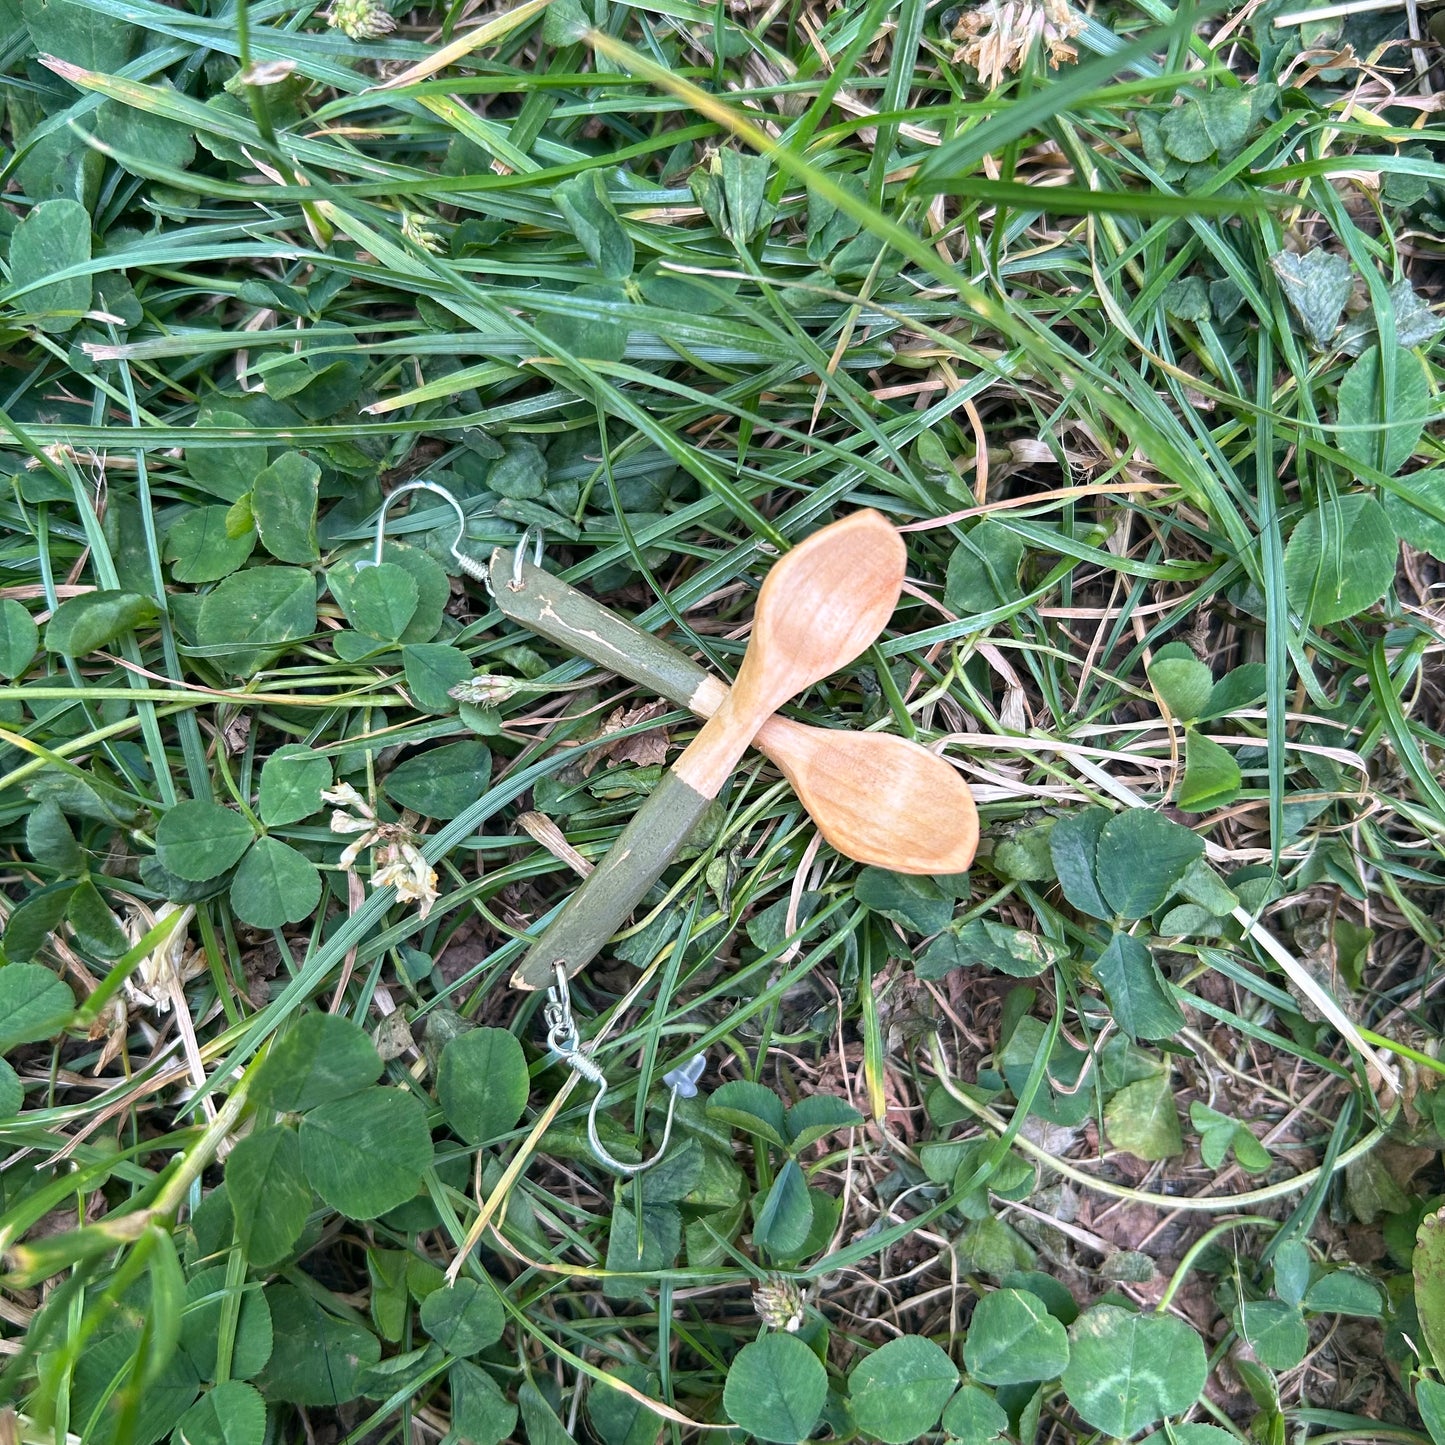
(875, 797)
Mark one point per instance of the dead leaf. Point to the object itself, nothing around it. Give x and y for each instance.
(394, 1037)
(235, 733)
(544, 831)
(647, 749)
(112, 1025)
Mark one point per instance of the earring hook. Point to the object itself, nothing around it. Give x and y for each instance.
(534, 534)
(562, 1036)
(470, 566)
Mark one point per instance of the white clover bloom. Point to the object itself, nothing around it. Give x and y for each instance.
(356, 847)
(400, 865)
(361, 821)
(483, 690)
(343, 795)
(999, 36)
(780, 1304)
(360, 19)
(398, 862)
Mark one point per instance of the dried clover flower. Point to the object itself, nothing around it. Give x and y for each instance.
(484, 690)
(400, 865)
(398, 862)
(999, 36)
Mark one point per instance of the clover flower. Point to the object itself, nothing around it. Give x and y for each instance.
(398, 861)
(362, 821)
(484, 690)
(999, 36)
(400, 865)
(360, 19)
(779, 1304)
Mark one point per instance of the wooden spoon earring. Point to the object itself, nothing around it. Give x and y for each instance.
(876, 797)
(822, 605)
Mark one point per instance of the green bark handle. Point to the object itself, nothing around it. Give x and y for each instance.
(548, 606)
(616, 886)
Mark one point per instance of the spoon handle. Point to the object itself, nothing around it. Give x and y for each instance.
(546, 605)
(643, 849)
(616, 886)
(553, 609)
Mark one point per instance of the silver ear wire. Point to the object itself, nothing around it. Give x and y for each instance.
(534, 532)
(562, 1036)
(474, 569)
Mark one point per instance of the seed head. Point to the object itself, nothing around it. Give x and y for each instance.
(414, 228)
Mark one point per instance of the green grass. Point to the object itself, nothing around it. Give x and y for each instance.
(1134, 1123)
